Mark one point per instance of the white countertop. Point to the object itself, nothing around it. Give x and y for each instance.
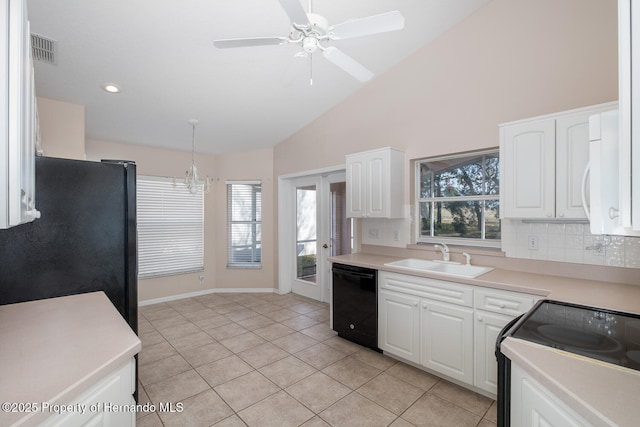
(613, 296)
(52, 350)
(604, 394)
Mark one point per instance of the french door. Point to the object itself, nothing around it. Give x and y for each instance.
(313, 215)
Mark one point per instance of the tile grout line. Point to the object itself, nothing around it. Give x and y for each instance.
(288, 304)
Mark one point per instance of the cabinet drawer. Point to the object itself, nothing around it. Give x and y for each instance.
(423, 287)
(504, 302)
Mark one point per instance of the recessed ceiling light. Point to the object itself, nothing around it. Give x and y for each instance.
(111, 88)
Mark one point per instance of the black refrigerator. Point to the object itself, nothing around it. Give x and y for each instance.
(84, 241)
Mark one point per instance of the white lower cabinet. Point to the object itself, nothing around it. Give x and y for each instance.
(493, 310)
(427, 321)
(447, 327)
(532, 405)
(399, 325)
(446, 334)
(487, 327)
(108, 403)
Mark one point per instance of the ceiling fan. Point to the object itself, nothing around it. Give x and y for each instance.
(312, 32)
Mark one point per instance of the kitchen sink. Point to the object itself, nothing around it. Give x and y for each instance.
(439, 267)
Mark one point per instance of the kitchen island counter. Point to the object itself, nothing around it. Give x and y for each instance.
(55, 349)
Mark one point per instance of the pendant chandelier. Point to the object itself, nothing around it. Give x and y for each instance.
(191, 179)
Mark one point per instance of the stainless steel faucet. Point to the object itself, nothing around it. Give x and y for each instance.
(444, 249)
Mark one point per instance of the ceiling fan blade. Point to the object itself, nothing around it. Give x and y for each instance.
(296, 13)
(390, 21)
(256, 41)
(347, 63)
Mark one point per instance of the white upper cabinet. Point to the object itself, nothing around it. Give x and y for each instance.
(629, 125)
(572, 157)
(375, 184)
(542, 163)
(18, 118)
(527, 152)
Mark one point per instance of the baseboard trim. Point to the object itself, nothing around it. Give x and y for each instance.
(206, 292)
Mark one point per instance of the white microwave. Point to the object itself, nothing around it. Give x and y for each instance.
(607, 185)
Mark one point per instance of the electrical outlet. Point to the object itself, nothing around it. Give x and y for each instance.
(532, 243)
(201, 278)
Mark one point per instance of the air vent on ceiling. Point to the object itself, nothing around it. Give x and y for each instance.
(43, 49)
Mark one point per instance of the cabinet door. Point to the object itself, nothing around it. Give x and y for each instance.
(528, 170)
(532, 405)
(446, 335)
(378, 184)
(572, 156)
(398, 325)
(103, 403)
(356, 182)
(487, 327)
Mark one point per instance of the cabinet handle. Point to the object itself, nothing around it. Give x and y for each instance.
(479, 318)
(561, 215)
(424, 305)
(549, 215)
(613, 213)
(502, 305)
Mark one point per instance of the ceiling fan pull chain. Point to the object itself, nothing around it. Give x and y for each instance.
(311, 69)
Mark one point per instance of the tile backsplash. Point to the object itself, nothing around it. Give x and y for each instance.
(568, 242)
(561, 242)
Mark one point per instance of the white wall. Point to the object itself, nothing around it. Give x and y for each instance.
(252, 165)
(61, 129)
(510, 60)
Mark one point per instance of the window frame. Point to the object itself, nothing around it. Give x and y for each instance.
(481, 242)
(256, 245)
(162, 247)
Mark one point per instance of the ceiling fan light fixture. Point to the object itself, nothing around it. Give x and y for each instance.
(311, 31)
(310, 44)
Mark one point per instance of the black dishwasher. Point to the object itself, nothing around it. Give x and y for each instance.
(355, 304)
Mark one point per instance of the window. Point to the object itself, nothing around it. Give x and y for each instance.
(244, 218)
(458, 197)
(170, 227)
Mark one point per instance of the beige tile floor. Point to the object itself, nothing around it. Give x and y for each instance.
(271, 360)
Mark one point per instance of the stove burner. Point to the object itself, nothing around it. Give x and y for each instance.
(569, 337)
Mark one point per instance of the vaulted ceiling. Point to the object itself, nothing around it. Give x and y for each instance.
(161, 54)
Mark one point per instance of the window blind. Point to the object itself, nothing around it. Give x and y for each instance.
(170, 227)
(244, 220)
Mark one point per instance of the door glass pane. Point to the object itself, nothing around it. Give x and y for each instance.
(341, 226)
(306, 237)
